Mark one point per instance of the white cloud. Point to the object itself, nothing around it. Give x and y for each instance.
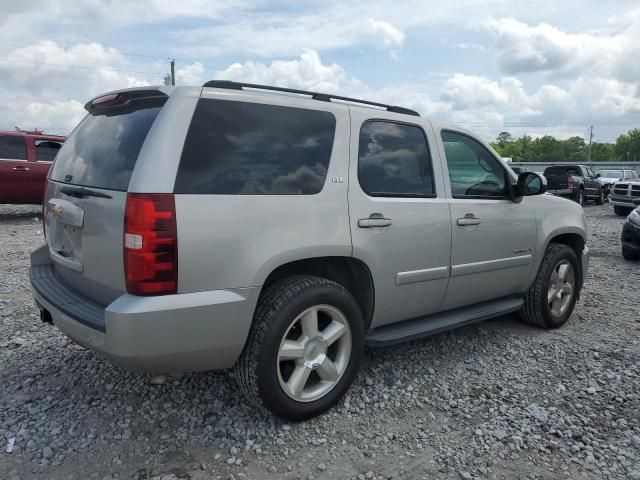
(307, 73)
(524, 48)
(45, 85)
(190, 75)
(391, 36)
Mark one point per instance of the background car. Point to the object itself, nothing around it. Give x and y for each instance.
(625, 196)
(608, 177)
(631, 236)
(25, 158)
(519, 170)
(577, 182)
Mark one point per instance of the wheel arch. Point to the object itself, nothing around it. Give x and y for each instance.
(352, 273)
(572, 237)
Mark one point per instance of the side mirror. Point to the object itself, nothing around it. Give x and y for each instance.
(531, 183)
(598, 175)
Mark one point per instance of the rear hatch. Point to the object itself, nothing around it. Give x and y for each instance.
(557, 177)
(87, 191)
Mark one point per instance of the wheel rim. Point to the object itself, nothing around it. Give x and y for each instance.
(561, 288)
(581, 198)
(314, 353)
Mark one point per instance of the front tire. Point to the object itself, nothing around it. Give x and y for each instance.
(601, 197)
(553, 295)
(580, 197)
(304, 348)
(621, 211)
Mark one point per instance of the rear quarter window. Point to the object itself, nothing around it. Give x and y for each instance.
(242, 148)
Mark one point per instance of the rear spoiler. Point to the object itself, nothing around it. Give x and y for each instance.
(120, 102)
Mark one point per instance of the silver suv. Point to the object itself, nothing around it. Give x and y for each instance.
(279, 233)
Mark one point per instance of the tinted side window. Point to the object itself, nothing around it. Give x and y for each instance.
(393, 160)
(241, 148)
(46, 150)
(13, 148)
(473, 170)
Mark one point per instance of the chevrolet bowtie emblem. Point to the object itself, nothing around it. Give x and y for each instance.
(57, 211)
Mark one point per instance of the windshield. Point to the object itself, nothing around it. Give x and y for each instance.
(103, 149)
(611, 174)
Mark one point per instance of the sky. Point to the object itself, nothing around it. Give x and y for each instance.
(533, 67)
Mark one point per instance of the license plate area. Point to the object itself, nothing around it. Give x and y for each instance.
(65, 221)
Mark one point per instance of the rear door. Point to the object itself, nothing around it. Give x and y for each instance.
(87, 191)
(15, 171)
(399, 215)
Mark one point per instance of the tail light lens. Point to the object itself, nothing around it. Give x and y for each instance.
(570, 182)
(150, 244)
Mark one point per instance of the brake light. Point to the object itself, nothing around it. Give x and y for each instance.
(150, 244)
(570, 182)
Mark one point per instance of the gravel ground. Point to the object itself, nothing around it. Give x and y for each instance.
(494, 400)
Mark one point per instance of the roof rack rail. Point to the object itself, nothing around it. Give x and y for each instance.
(323, 97)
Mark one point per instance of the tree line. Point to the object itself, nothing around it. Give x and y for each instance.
(573, 149)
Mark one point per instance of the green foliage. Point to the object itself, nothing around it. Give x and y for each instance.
(628, 146)
(574, 149)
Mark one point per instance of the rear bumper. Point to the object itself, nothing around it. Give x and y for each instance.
(624, 201)
(562, 192)
(163, 334)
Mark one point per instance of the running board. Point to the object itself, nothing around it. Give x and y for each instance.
(440, 322)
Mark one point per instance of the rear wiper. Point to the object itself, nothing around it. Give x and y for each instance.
(81, 192)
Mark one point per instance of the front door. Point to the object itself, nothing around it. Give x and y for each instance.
(399, 215)
(15, 170)
(493, 237)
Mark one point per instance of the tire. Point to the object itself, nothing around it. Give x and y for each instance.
(580, 197)
(601, 197)
(260, 371)
(621, 211)
(628, 254)
(537, 310)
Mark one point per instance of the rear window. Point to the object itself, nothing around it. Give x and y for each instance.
(241, 148)
(562, 171)
(103, 149)
(13, 148)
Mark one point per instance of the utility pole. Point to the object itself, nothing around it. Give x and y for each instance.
(590, 139)
(173, 73)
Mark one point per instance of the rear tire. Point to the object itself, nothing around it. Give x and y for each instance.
(621, 211)
(601, 197)
(630, 255)
(553, 295)
(284, 367)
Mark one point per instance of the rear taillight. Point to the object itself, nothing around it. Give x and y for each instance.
(150, 244)
(570, 182)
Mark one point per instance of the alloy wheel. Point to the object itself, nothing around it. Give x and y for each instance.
(561, 288)
(314, 353)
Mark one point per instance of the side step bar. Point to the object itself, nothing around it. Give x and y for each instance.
(440, 322)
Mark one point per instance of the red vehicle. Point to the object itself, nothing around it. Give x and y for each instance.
(25, 158)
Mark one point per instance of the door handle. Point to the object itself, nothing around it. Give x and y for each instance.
(21, 169)
(374, 220)
(468, 219)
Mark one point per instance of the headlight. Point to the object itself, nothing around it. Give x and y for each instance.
(634, 217)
